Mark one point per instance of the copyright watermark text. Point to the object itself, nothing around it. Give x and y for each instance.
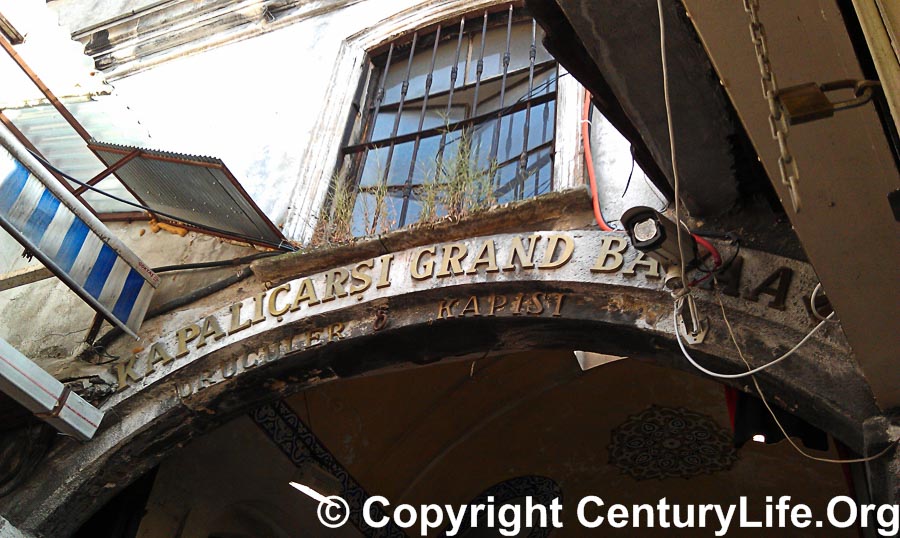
(593, 512)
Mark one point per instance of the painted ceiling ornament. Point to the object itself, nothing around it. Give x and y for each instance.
(666, 442)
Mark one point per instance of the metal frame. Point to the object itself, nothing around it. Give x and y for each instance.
(128, 155)
(131, 153)
(358, 151)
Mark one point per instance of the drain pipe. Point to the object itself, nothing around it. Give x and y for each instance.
(42, 394)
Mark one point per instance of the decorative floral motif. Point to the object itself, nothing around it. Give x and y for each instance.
(541, 489)
(285, 428)
(663, 442)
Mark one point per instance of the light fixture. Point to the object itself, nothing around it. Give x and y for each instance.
(587, 360)
(315, 495)
(759, 438)
(657, 236)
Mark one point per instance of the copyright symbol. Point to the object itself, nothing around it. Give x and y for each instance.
(333, 512)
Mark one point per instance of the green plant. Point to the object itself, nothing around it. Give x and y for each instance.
(333, 225)
(429, 195)
(466, 187)
(377, 216)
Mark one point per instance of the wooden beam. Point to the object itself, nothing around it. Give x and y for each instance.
(26, 275)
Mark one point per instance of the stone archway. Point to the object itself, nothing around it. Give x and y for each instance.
(578, 290)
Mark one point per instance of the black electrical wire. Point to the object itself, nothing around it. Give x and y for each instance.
(213, 264)
(631, 173)
(280, 246)
(99, 346)
(736, 241)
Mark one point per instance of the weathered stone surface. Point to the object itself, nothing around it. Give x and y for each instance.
(552, 299)
(558, 210)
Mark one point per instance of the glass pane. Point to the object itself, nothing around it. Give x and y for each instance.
(363, 214)
(481, 138)
(373, 170)
(377, 163)
(369, 206)
(495, 48)
(539, 173)
(536, 178)
(435, 117)
(517, 90)
(384, 124)
(426, 159)
(443, 64)
(541, 127)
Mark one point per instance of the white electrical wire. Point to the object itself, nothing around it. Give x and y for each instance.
(751, 371)
(665, 76)
(754, 370)
(784, 432)
(812, 303)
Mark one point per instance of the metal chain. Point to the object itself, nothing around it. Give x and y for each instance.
(778, 123)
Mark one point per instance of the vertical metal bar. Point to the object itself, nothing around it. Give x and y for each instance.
(479, 67)
(495, 141)
(407, 191)
(454, 73)
(373, 118)
(523, 158)
(379, 95)
(546, 118)
(404, 88)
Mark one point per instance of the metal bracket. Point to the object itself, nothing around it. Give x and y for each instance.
(381, 318)
(693, 329)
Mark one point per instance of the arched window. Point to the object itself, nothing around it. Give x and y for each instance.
(458, 116)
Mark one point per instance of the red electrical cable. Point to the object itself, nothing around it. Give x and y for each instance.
(717, 258)
(598, 215)
(589, 162)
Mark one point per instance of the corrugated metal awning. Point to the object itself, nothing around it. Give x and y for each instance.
(197, 191)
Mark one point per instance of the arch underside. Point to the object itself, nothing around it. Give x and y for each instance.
(165, 414)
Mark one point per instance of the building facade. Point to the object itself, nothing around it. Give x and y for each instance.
(444, 298)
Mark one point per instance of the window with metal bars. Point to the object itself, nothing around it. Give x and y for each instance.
(475, 96)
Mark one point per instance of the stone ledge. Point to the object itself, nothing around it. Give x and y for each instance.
(564, 210)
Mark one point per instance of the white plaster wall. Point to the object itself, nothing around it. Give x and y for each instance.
(11, 254)
(86, 13)
(47, 322)
(252, 103)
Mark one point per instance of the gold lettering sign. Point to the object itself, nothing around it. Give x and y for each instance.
(444, 263)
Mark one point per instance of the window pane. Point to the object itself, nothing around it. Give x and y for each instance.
(443, 63)
(435, 117)
(517, 90)
(428, 164)
(363, 214)
(536, 178)
(495, 48)
(374, 167)
(541, 128)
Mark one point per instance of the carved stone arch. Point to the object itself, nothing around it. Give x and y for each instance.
(574, 290)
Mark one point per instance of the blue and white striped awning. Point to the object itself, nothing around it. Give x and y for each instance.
(72, 242)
